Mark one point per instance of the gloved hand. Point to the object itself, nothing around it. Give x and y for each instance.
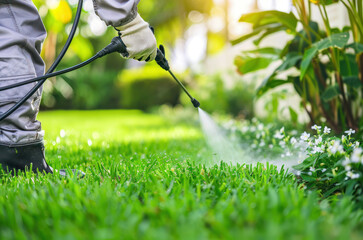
(139, 40)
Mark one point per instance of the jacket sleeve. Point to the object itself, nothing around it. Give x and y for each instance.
(116, 12)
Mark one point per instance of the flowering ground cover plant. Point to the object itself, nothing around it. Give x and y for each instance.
(321, 161)
(334, 165)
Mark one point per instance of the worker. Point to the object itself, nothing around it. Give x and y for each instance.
(22, 33)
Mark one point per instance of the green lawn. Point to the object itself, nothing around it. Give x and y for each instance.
(145, 180)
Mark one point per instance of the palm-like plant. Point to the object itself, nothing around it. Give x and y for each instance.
(330, 91)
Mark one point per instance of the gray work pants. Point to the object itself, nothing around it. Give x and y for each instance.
(21, 35)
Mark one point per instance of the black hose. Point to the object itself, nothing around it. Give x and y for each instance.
(52, 67)
(116, 45)
(49, 75)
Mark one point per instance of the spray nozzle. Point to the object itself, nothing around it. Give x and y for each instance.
(195, 102)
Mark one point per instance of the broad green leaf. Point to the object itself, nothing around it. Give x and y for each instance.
(269, 32)
(258, 30)
(330, 93)
(267, 17)
(270, 84)
(308, 57)
(336, 40)
(298, 43)
(352, 81)
(251, 64)
(274, 52)
(348, 65)
(291, 60)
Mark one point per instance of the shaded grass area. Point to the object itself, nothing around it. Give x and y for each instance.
(145, 179)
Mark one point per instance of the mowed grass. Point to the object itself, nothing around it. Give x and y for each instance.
(146, 179)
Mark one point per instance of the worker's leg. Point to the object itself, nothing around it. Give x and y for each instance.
(21, 35)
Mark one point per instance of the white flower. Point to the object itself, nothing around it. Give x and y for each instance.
(336, 147)
(293, 140)
(305, 136)
(350, 132)
(323, 170)
(318, 140)
(316, 127)
(89, 142)
(282, 143)
(317, 150)
(282, 129)
(327, 130)
(348, 168)
(282, 155)
(356, 155)
(262, 144)
(260, 127)
(312, 169)
(353, 175)
(356, 145)
(298, 173)
(278, 135)
(288, 154)
(346, 161)
(270, 146)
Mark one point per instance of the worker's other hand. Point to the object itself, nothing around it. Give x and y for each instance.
(139, 40)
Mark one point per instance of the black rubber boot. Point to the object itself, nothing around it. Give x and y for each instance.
(20, 158)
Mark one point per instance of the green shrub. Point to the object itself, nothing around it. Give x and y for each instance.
(146, 87)
(89, 88)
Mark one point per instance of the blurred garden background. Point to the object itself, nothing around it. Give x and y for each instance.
(228, 56)
(197, 36)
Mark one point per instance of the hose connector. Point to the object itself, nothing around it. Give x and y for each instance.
(116, 45)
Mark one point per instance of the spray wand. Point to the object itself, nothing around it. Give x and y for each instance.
(163, 63)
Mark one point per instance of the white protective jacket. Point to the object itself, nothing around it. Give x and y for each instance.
(21, 36)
